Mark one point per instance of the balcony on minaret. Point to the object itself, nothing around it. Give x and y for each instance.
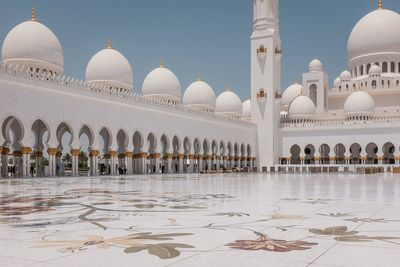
(261, 95)
(262, 52)
(278, 51)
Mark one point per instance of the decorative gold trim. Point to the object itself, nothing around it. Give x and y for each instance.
(75, 152)
(33, 14)
(129, 154)
(109, 43)
(94, 153)
(5, 150)
(52, 151)
(380, 5)
(261, 50)
(162, 63)
(155, 156)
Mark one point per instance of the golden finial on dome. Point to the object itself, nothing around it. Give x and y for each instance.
(380, 6)
(109, 43)
(199, 77)
(162, 63)
(33, 17)
(228, 89)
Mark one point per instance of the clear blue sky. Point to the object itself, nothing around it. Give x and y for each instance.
(207, 36)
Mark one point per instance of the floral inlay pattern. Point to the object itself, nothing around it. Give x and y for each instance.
(264, 242)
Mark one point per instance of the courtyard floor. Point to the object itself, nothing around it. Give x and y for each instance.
(201, 220)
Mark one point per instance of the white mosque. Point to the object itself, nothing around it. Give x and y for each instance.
(45, 114)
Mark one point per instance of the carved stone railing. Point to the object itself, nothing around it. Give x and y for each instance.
(341, 122)
(102, 91)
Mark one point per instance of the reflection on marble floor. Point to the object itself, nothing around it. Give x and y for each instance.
(209, 220)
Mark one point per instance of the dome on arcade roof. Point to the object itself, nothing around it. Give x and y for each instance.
(200, 94)
(162, 83)
(32, 44)
(110, 67)
(229, 103)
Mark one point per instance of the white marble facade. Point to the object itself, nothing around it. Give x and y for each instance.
(160, 128)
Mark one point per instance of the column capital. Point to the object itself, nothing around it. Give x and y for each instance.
(191, 157)
(38, 154)
(26, 150)
(168, 156)
(5, 150)
(122, 155)
(52, 151)
(75, 152)
(129, 154)
(94, 153)
(155, 156)
(113, 154)
(142, 155)
(181, 156)
(58, 154)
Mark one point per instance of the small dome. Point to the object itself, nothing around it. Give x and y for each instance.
(228, 103)
(336, 82)
(246, 109)
(291, 93)
(110, 67)
(359, 103)
(200, 94)
(345, 76)
(302, 108)
(315, 66)
(376, 33)
(162, 83)
(32, 44)
(375, 70)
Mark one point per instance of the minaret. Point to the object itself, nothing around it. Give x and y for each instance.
(266, 53)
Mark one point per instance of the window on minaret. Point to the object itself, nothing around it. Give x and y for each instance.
(361, 70)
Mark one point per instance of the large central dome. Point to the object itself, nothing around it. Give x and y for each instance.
(376, 33)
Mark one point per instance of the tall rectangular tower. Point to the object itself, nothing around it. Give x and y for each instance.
(266, 55)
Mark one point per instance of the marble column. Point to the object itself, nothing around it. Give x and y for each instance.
(224, 162)
(75, 161)
(181, 158)
(4, 161)
(191, 163)
(52, 161)
(167, 159)
(380, 159)
(155, 162)
(129, 167)
(209, 163)
(93, 162)
(113, 159)
(218, 163)
(26, 155)
(122, 162)
(231, 163)
(200, 163)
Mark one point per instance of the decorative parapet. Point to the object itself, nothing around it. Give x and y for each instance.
(342, 122)
(100, 91)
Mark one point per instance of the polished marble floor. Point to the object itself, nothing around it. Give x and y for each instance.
(206, 220)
